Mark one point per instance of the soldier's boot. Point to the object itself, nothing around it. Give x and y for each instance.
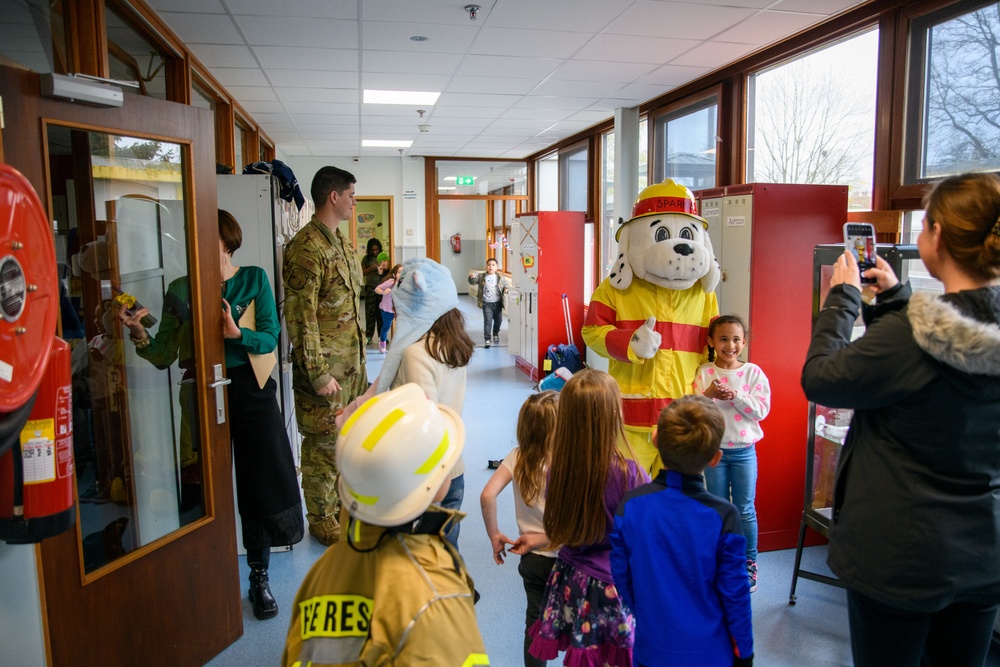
(264, 604)
(326, 530)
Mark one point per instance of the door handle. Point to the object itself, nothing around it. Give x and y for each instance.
(220, 400)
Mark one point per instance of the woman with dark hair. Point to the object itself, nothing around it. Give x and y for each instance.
(266, 483)
(916, 517)
(370, 272)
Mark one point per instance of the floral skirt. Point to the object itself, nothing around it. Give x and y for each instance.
(584, 617)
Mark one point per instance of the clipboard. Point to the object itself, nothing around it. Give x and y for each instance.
(262, 364)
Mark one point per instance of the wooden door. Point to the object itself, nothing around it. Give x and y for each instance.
(148, 575)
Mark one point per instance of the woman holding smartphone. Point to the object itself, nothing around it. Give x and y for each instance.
(916, 519)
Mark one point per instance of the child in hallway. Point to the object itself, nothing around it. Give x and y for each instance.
(526, 465)
(385, 291)
(742, 392)
(581, 611)
(492, 287)
(677, 551)
(370, 271)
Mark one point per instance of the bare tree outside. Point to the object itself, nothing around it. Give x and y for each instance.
(813, 120)
(963, 94)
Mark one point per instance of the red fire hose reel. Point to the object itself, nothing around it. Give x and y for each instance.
(36, 425)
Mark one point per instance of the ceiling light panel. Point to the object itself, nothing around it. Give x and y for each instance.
(400, 97)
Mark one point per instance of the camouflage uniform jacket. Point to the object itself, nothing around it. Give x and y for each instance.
(323, 287)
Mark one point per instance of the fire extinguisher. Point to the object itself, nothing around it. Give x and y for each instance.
(36, 424)
(456, 243)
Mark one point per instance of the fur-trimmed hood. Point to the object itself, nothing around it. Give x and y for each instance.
(961, 330)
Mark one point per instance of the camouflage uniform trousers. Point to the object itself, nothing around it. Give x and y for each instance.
(315, 416)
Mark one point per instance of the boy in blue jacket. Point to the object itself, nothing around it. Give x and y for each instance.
(678, 553)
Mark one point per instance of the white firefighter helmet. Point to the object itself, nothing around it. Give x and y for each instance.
(394, 453)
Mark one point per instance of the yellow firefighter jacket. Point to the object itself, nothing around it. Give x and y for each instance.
(387, 597)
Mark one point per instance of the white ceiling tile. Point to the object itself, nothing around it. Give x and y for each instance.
(303, 119)
(467, 112)
(410, 63)
(310, 58)
(203, 28)
(518, 41)
(713, 54)
(673, 75)
(600, 70)
(240, 76)
(591, 116)
(217, 55)
(501, 85)
(588, 16)
(507, 66)
(272, 118)
(767, 27)
(546, 114)
(296, 78)
(337, 95)
(257, 93)
(677, 19)
(569, 103)
(321, 108)
(425, 11)
(262, 107)
(412, 82)
(639, 91)
(292, 8)
(194, 6)
(576, 88)
(624, 49)
(828, 7)
(266, 31)
(482, 100)
(395, 36)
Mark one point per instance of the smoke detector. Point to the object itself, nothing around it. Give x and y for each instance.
(424, 128)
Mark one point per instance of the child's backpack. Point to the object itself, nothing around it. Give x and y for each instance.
(564, 356)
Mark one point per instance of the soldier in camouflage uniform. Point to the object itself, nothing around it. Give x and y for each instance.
(323, 287)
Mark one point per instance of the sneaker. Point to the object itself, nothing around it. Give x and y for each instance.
(487, 342)
(327, 530)
(752, 575)
(496, 339)
(381, 346)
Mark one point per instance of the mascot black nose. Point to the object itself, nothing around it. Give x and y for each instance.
(684, 249)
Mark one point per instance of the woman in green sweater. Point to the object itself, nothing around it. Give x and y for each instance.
(269, 502)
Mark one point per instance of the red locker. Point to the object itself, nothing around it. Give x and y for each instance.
(763, 235)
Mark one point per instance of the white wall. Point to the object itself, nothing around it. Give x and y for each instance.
(401, 178)
(468, 218)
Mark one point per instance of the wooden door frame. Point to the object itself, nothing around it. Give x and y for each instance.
(184, 590)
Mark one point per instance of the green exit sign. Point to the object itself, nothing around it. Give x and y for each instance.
(465, 180)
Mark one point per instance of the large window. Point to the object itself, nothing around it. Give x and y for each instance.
(689, 137)
(954, 94)
(573, 185)
(812, 120)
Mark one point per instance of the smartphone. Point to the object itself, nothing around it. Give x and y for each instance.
(859, 238)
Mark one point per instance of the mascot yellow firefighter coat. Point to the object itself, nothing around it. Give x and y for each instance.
(650, 316)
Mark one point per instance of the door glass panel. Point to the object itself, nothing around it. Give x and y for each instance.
(120, 235)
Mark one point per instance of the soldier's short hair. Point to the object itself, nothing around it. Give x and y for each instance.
(329, 179)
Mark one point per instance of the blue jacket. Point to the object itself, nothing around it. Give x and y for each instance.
(678, 557)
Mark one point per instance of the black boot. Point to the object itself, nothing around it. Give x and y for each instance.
(264, 604)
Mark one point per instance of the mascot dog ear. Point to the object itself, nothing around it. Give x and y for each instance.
(621, 273)
(710, 280)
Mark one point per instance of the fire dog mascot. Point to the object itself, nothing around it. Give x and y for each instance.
(650, 316)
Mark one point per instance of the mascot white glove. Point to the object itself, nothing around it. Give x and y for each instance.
(646, 340)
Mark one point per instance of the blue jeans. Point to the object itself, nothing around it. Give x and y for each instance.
(735, 479)
(387, 319)
(453, 501)
(492, 318)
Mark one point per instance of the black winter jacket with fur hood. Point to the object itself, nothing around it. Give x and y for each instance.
(917, 500)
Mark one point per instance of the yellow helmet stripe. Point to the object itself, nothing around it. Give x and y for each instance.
(390, 420)
(365, 500)
(435, 456)
(476, 659)
(357, 414)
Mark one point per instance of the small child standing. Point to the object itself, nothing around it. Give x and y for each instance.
(526, 465)
(678, 551)
(492, 287)
(385, 306)
(742, 392)
(582, 612)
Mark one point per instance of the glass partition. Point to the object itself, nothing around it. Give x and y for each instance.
(121, 239)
